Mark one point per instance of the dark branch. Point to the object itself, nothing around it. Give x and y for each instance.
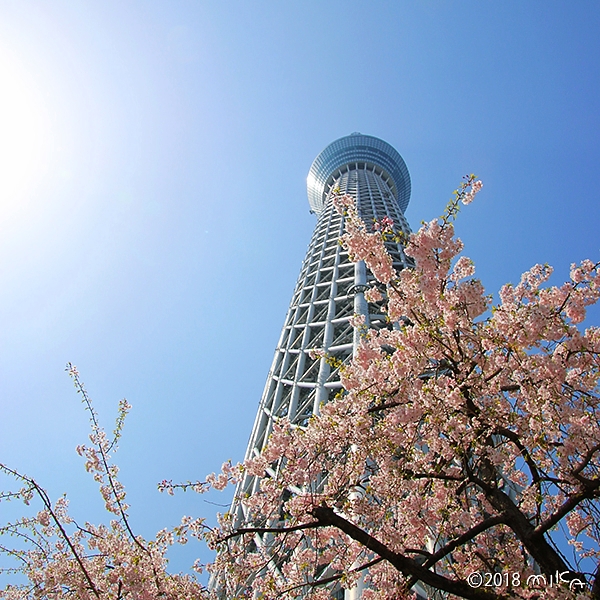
(244, 530)
(407, 566)
(586, 459)
(326, 580)
(514, 438)
(533, 539)
(432, 559)
(568, 505)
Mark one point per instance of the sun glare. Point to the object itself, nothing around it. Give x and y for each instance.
(23, 134)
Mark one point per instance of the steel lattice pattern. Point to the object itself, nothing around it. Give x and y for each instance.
(329, 291)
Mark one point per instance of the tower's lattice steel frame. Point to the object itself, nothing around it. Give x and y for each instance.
(330, 289)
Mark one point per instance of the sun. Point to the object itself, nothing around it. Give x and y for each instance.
(23, 130)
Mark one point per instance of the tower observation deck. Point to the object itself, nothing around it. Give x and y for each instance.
(329, 291)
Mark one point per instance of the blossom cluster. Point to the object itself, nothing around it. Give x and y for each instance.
(92, 562)
(466, 434)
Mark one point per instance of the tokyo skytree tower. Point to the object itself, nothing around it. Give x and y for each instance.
(330, 289)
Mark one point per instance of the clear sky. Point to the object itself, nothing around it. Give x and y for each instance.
(153, 162)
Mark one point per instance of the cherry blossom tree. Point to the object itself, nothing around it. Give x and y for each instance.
(57, 558)
(462, 457)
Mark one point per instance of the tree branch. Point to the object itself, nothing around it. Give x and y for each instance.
(514, 438)
(245, 530)
(432, 559)
(533, 539)
(326, 580)
(567, 506)
(407, 566)
(41, 492)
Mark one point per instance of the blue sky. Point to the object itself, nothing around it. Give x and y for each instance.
(153, 162)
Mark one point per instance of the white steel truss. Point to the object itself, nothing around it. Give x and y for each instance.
(329, 291)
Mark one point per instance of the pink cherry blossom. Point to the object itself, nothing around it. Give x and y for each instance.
(457, 450)
(466, 435)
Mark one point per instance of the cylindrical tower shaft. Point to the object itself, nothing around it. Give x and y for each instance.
(329, 290)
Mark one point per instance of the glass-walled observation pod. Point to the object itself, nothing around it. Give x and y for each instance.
(374, 153)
